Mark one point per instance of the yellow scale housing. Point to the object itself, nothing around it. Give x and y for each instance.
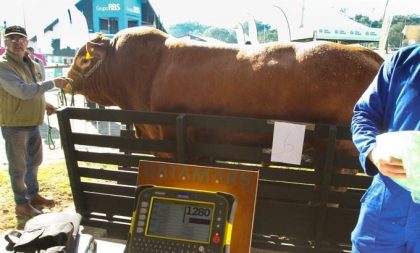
(178, 220)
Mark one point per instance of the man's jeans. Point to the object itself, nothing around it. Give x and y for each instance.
(24, 153)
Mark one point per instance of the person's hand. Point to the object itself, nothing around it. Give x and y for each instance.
(386, 164)
(50, 108)
(60, 82)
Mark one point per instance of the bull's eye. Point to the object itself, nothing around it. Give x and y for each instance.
(84, 61)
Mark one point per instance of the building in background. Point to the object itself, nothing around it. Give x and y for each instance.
(110, 16)
(86, 18)
(411, 34)
(303, 21)
(309, 23)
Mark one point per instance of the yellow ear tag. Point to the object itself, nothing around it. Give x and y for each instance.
(88, 56)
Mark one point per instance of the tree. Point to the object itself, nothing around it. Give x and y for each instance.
(395, 36)
(266, 33)
(221, 34)
(376, 24)
(363, 20)
(183, 29)
(194, 28)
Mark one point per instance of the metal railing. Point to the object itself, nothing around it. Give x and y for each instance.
(57, 70)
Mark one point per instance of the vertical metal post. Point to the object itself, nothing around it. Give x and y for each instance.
(181, 138)
(326, 182)
(71, 161)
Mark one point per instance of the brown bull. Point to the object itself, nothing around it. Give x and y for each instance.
(145, 69)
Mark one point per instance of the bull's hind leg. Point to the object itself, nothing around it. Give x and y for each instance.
(153, 132)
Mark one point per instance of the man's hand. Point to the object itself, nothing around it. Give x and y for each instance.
(60, 82)
(386, 164)
(50, 108)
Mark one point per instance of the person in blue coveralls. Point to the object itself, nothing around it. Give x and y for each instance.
(389, 220)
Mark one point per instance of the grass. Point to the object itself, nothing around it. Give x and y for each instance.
(53, 182)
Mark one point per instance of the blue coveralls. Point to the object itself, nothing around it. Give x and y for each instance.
(389, 221)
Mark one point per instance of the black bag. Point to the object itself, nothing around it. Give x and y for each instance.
(46, 233)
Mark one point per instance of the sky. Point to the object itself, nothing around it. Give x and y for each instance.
(37, 14)
(223, 13)
(33, 14)
(226, 13)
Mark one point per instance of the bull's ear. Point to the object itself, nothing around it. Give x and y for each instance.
(95, 50)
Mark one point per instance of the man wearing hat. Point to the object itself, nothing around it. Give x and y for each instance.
(22, 108)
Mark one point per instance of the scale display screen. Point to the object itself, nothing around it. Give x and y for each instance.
(177, 219)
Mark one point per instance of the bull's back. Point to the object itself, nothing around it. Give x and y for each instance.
(298, 82)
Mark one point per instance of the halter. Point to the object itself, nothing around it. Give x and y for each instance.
(63, 98)
(90, 72)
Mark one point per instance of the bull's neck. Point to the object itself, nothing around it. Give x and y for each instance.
(119, 85)
(95, 87)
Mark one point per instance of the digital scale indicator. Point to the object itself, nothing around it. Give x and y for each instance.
(180, 220)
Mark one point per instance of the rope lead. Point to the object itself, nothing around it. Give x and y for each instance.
(63, 102)
(50, 140)
(62, 96)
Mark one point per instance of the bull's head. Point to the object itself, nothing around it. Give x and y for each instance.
(84, 67)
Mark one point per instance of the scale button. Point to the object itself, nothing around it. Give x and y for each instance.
(144, 204)
(143, 210)
(216, 238)
(201, 248)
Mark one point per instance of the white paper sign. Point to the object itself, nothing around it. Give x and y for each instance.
(287, 143)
